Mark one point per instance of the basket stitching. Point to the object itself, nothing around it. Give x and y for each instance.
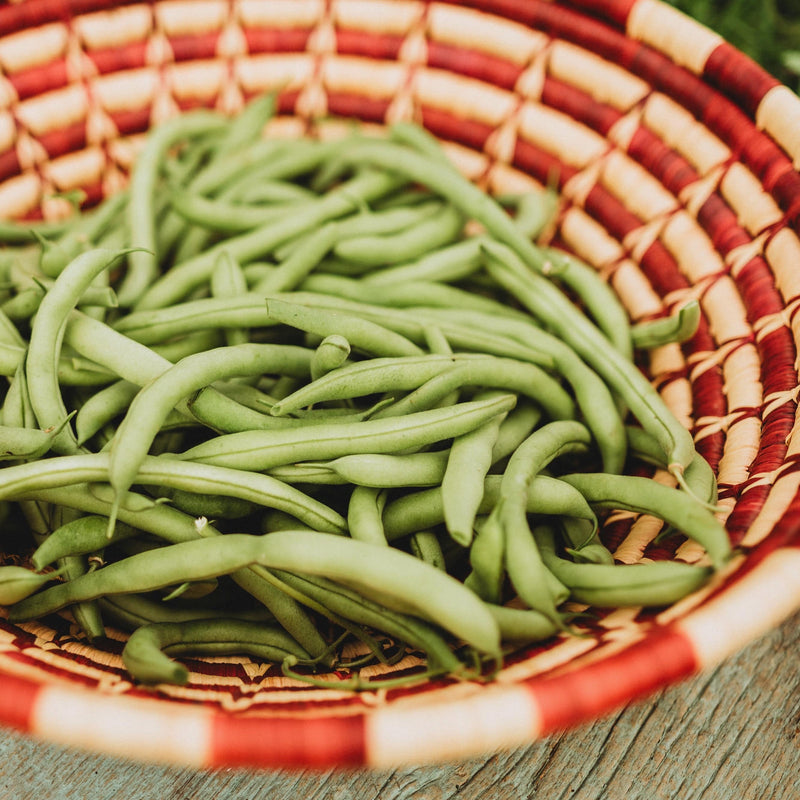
(404, 106)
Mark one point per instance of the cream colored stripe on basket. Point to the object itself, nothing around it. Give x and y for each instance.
(490, 718)
(119, 726)
(747, 609)
(685, 41)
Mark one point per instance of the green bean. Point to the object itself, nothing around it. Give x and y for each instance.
(522, 559)
(487, 557)
(303, 259)
(262, 450)
(144, 659)
(492, 372)
(518, 424)
(102, 407)
(676, 328)
(408, 373)
(174, 526)
(151, 405)
(143, 263)
(443, 179)
(331, 353)
(522, 625)
(27, 478)
(364, 514)
(81, 536)
(584, 544)
(364, 567)
(377, 250)
(131, 611)
(633, 493)
(159, 325)
(271, 192)
(387, 470)
(546, 302)
(17, 583)
(9, 333)
(596, 295)
(353, 606)
(425, 546)
(181, 279)
(657, 583)
(424, 508)
(227, 280)
(25, 443)
(45, 341)
(86, 613)
(534, 211)
(24, 304)
(592, 395)
(468, 463)
(21, 232)
(360, 333)
(698, 476)
(222, 215)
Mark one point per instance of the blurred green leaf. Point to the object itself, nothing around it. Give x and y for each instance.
(766, 30)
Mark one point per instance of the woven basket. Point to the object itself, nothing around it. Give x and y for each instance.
(677, 160)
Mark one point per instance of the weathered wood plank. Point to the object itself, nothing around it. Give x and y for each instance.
(733, 733)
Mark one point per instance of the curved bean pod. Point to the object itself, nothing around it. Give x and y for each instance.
(643, 495)
(145, 652)
(365, 567)
(153, 403)
(656, 583)
(47, 334)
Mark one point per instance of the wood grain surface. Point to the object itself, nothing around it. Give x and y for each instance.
(731, 733)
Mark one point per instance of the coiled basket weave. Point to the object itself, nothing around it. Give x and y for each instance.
(677, 160)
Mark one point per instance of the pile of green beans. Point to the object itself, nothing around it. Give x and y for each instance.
(325, 403)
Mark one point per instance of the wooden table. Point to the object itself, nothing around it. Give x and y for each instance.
(732, 733)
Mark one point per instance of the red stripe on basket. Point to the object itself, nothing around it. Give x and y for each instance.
(287, 742)
(610, 213)
(32, 82)
(134, 121)
(565, 700)
(17, 700)
(191, 48)
(786, 191)
(721, 224)
(579, 105)
(64, 140)
(371, 109)
(661, 270)
(673, 171)
(738, 76)
(269, 40)
(17, 17)
(456, 129)
(617, 11)
(9, 164)
(383, 46)
(541, 165)
(474, 64)
(118, 59)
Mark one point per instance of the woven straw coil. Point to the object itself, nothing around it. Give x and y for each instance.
(677, 160)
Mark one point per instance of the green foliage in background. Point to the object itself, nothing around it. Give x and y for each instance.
(767, 30)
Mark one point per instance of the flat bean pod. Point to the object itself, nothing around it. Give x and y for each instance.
(262, 450)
